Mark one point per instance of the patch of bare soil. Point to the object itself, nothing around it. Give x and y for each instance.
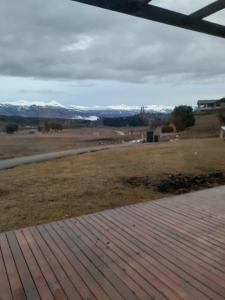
(177, 183)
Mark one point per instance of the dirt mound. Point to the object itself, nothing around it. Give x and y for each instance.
(180, 183)
(177, 183)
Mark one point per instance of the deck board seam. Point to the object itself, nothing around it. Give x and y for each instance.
(57, 259)
(7, 275)
(99, 269)
(83, 265)
(72, 266)
(177, 267)
(131, 245)
(212, 240)
(46, 259)
(183, 252)
(90, 224)
(26, 290)
(164, 231)
(170, 236)
(101, 249)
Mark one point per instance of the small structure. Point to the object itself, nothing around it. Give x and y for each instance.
(156, 138)
(150, 137)
(222, 132)
(211, 104)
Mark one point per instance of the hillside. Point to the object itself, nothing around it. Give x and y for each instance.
(207, 125)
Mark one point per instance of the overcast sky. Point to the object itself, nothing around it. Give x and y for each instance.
(77, 54)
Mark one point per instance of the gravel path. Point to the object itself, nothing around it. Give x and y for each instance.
(17, 161)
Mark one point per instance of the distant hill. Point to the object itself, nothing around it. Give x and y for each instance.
(33, 123)
(56, 110)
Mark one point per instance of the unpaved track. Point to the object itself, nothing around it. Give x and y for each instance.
(17, 161)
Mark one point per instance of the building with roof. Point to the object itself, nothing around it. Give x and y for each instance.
(211, 104)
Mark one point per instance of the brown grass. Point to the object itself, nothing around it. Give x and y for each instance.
(92, 182)
(22, 143)
(207, 124)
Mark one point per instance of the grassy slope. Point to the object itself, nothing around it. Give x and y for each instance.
(207, 125)
(82, 184)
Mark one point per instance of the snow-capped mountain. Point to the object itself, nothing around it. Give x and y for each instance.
(123, 107)
(54, 109)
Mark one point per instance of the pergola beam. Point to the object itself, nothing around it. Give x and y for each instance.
(141, 9)
(209, 9)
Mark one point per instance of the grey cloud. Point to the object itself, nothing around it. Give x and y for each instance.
(64, 40)
(42, 91)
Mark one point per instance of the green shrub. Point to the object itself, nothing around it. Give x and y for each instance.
(167, 129)
(11, 128)
(183, 117)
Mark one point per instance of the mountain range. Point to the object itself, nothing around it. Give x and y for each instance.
(56, 110)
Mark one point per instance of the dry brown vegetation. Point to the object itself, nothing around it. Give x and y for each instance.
(20, 144)
(92, 182)
(207, 125)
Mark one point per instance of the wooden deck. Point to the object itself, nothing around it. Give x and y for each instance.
(168, 249)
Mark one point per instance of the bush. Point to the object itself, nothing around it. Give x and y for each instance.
(167, 129)
(11, 128)
(221, 116)
(52, 126)
(183, 117)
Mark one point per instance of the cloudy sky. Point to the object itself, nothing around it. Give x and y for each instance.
(77, 54)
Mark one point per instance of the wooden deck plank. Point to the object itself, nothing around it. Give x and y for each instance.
(24, 273)
(108, 250)
(173, 240)
(196, 229)
(62, 277)
(13, 275)
(4, 282)
(169, 249)
(71, 272)
(108, 276)
(49, 275)
(190, 236)
(121, 273)
(107, 290)
(151, 245)
(146, 262)
(189, 260)
(34, 269)
(92, 285)
(166, 272)
(179, 226)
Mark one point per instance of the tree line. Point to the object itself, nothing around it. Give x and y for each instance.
(181, 117)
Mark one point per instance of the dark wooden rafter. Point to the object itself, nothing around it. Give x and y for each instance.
(143, 9)
(209, 9)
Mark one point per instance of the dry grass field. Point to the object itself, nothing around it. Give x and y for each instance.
(23, 143)
(73, 186)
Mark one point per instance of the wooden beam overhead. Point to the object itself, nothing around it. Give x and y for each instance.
(209, 9)
(142, 9)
